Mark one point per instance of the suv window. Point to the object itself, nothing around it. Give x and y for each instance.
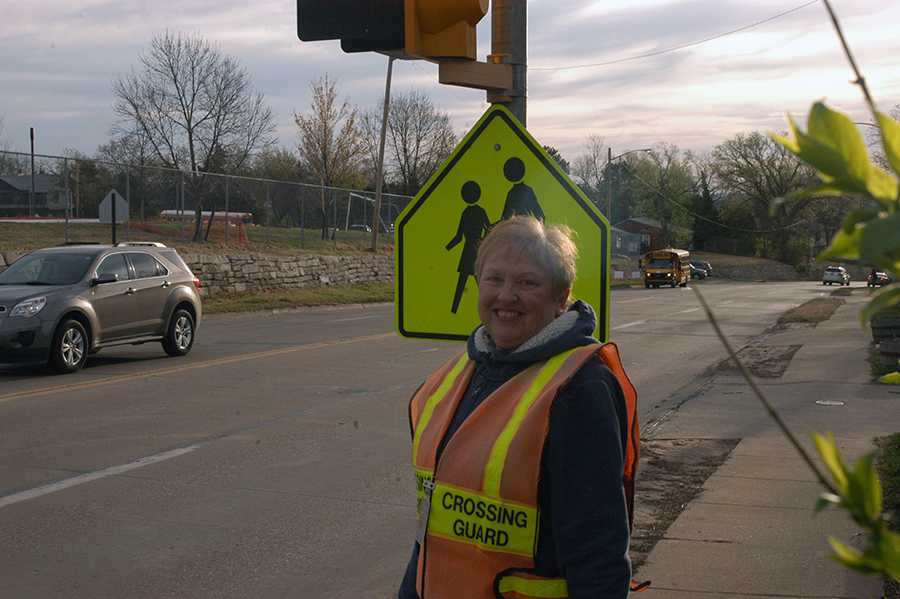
(47, 269)
(146, 266)
(114, 265)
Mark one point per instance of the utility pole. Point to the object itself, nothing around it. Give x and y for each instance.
(379, 170)
(31, 195)
(608, 186)
(509, 45)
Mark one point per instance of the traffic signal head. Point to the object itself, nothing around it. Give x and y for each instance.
(442, 28)
(418, 28)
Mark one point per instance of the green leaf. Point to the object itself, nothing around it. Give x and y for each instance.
(844, 245)
(890, 139)
(825, 190)
(854, 559)
(886, 297)
(855, 217)
(890, 379)
(881, 236)
(890, 553)
(869, 488)
(835, 130)
(882, 186)
(828, 450)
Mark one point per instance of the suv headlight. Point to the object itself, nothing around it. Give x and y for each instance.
(29, 307)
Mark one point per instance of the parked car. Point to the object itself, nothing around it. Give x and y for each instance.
(703, 265)
(836, 274)
(697, 272)
(364, 228)
(58, 305)
(877, 278)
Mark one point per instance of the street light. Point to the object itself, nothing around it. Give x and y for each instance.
(609, 160)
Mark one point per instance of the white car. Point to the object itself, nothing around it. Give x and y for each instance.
(836, 274)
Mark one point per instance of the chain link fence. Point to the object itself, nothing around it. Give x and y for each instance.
(59, 201)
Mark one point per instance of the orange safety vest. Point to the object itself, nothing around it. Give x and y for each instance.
(478, 513)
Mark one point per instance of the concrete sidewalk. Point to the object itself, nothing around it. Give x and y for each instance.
(752, 531)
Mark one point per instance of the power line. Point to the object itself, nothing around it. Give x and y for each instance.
(679, 47)
(715, 222)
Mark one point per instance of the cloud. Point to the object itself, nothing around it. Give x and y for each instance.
(60, 59)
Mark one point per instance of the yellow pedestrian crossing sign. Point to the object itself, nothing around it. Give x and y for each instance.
(498, 170)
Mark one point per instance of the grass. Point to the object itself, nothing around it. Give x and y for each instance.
(273, 240)
(880, 364)
(282, 299)
(813, 312)
(728, 260)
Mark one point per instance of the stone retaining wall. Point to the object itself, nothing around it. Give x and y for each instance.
(234, 273)
(767, 271)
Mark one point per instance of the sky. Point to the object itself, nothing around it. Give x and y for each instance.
(60, 58)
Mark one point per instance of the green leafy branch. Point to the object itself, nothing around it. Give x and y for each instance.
(834, 147)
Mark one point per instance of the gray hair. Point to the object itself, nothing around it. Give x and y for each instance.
(550, 245)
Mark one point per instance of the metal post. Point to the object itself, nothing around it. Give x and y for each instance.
(227, 216)
(349, 203)
(379, 171)
(302, 220)
(31, 195)
(68, 198)
(268, 211)
(608, 186)
(114, 201)
(509, 44)
(128, 201)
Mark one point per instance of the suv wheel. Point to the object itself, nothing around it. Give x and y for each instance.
(180, 336)
(69, 349)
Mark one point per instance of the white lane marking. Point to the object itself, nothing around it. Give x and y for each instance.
(726, 302)
(355, 318)
(431, 350)
(629, 325)
(92, 476)
(688, 311)
(634, 301)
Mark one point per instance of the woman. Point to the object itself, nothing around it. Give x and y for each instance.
(520, 445)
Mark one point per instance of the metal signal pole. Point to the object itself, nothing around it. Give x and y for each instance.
(509, 44)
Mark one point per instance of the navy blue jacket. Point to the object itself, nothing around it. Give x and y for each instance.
(583, 529)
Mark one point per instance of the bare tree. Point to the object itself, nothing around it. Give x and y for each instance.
(420, 138)
(9, 163)
(590, 167)
(754, 169)
(197, 108)
(330, 144)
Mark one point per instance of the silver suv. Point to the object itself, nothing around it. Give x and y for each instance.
(57, 305)
(836, 274)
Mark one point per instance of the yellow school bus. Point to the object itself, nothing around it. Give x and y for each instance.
(666, 267)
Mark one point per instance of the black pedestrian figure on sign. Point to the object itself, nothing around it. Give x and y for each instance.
(473, 226)
(521, 199)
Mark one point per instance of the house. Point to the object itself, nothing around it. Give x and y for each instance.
(651, 233)
(49, 196)
(625, 243)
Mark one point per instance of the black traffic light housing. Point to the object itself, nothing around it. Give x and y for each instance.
(430, 29)
(361, 25)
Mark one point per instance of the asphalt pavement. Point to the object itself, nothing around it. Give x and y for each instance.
(273, 460)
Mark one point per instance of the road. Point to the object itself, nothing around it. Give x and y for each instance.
(272, 461)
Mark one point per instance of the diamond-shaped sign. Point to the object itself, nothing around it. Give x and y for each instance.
(497, 170)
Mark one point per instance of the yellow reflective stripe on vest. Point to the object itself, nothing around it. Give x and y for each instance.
(492, 524)
(529, 587)
(433, 401)
(493, 472)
